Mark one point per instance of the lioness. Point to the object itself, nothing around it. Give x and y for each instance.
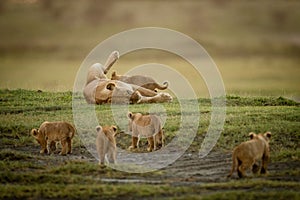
(99, 89)
(51, 132)
(106, 143)
(140, 80)
(248, 153)
(148, 126)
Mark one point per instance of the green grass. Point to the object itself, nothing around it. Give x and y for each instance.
(257, 54)
(26, 174)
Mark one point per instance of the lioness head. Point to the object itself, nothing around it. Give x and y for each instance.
(120, 92)
(40, 138)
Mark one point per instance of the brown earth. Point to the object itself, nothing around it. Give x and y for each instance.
(189, 169)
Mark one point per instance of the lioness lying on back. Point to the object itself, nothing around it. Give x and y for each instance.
(148, 126)
(51, 132)
(99, 89)
(248, 153)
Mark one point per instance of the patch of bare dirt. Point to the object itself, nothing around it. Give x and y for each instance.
(189, 169)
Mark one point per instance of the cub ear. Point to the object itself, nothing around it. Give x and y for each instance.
(268, 134)
(114, 73)
(114, 128)
(98, 128)
(34, 132)
(252, 135)
(110, 86)
(130, 115)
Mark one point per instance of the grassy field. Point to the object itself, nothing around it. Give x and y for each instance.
(27, 174)
(255, 45)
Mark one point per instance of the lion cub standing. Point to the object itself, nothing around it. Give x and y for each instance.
(247, 154)
(106, 143)
(51, 132)
(148, 126)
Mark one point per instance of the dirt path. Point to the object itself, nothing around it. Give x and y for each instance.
(189, 169)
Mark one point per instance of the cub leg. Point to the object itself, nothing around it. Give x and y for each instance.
(162, 138)
(101, 159)
(133, 143)
(53, 146)
(255, 168)
(155, 141)
(101, 154)
(49, 146)
(69, 142)
(64, 147)
(150, 144)
(265, 161)
(112, 156)
(243, 167)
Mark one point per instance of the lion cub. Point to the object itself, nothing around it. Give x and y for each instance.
(106, 143)
(247, 154)
(148, 126)
(51, 132)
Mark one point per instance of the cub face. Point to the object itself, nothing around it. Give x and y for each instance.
(40, 138)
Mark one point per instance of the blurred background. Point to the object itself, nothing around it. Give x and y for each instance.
(255, 44)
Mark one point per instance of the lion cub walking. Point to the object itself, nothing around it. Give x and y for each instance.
(106, 143)
(148, 126)
(51, 132)
(247, 154)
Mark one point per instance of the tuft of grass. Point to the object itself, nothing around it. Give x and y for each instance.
(11, 155)
(259, 101)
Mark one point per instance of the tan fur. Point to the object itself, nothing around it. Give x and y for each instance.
(106, 143)
(148, 126)
(140, 80)
(158, 98)
(247, 154)
(99, 89)
(51, 132)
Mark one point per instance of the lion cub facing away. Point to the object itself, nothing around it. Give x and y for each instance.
(247, 154)
(148, 126)
(106, 143)
(51, 132)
